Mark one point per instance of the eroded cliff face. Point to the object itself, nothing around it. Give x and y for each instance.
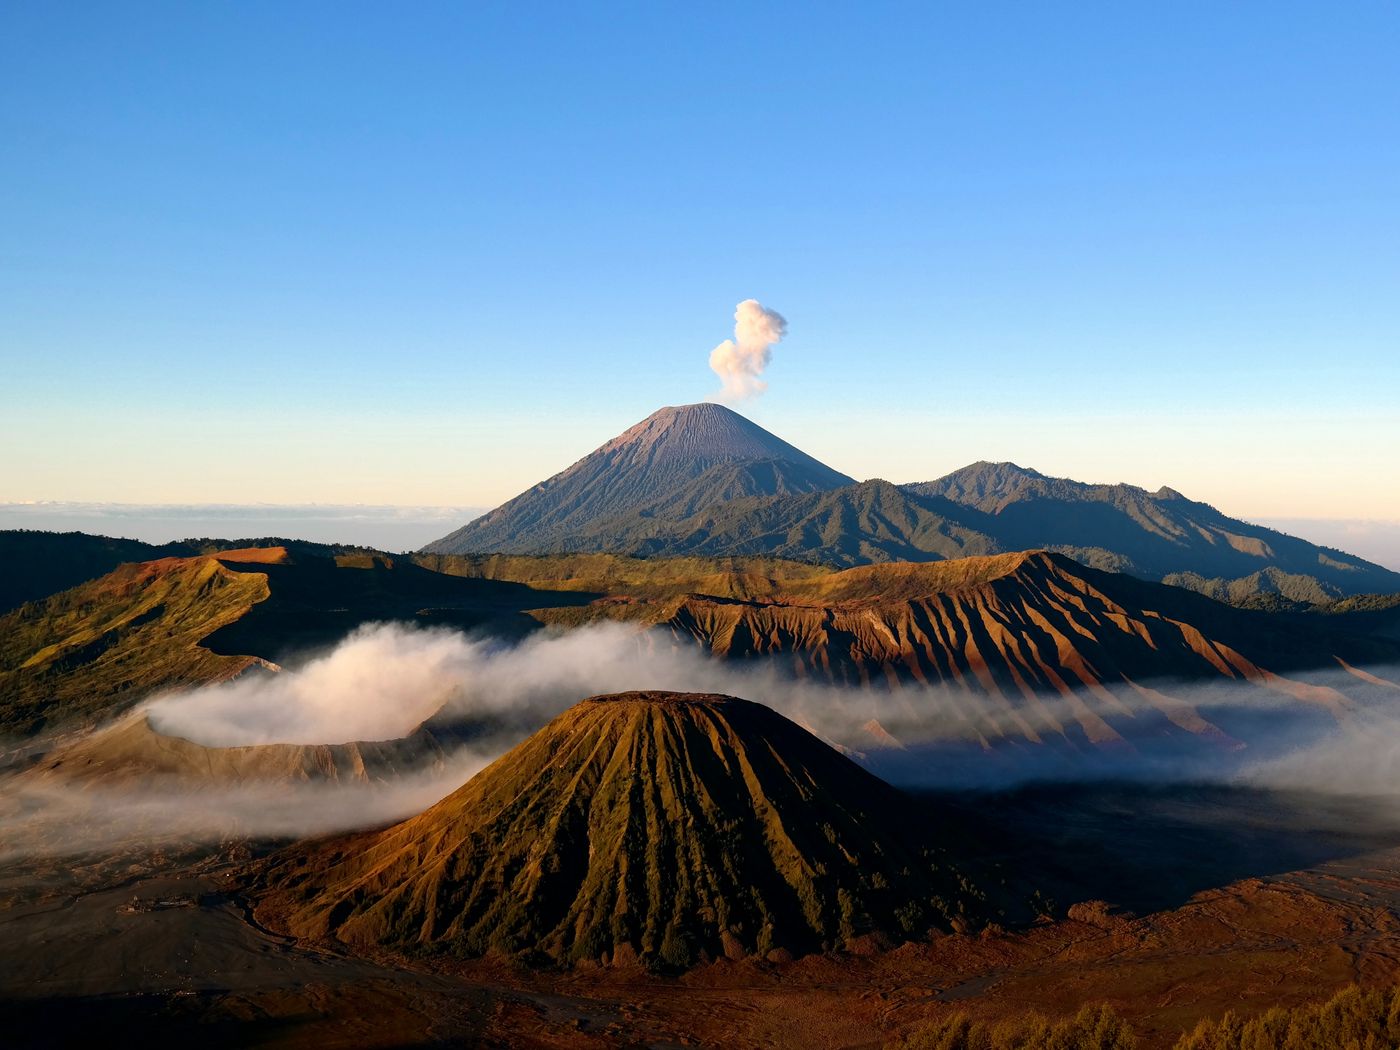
(1033, 644)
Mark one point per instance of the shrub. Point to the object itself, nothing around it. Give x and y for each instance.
(1354, 1019)
(1093, 1028)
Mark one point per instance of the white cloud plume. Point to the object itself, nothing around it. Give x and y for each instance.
(379, 683)
(739, 362)
(384, 679)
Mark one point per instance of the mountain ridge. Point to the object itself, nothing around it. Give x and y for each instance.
(992, 635)
(700, 480)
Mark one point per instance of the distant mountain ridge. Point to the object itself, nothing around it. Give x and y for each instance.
(701, 480)
(39, 564)
(1154, 533)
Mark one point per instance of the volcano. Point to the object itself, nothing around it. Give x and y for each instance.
(670, 465)
(702, 481)
(654, 828)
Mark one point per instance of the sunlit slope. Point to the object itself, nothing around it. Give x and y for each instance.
(657, 827)
(1026, 622)
(1001, 632)
(614, 574)
(39, 564)
(1030, 645)
(701, 480)
(93, 650)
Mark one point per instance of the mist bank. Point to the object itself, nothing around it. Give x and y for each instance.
(1376, 540)
(57, 819)
(1341, 738)
(384, 680)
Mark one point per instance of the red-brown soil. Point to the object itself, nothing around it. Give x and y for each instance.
(164, 948)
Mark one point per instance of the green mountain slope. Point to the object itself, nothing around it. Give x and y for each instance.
(1156, 533)
(92, 651)
(999, 631)
(873, 521)
(700, 480)
(38, 564)
(1115, 528)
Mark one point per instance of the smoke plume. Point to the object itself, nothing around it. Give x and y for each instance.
(379, 683)
(739, 362)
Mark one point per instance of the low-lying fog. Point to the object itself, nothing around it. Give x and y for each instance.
(384, 680)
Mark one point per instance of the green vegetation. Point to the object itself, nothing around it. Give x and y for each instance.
(872, 522)
(1270, 588)
(982, 623)
(1093, 1028)
(97, 649)
(621, 574)
(701, 481)
(39, 564)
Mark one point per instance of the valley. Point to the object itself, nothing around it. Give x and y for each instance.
(1213, 900)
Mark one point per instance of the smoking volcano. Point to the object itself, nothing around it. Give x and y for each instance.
(657, 828)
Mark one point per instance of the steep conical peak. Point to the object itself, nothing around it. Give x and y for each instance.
(676, 460)
(652, 827)
(704, 431)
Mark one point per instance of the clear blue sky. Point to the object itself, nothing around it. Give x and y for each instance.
(432, 253)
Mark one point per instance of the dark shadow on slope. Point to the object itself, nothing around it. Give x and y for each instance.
(314, 603)
(1145, 848)
(175, 1020)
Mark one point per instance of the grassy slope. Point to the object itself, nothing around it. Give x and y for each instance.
(38, 564)
(94, 650)
(613, 574)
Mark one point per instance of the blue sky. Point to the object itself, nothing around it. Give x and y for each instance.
(429, 254)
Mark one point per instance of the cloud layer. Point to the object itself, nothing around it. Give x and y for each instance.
(384, 679)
